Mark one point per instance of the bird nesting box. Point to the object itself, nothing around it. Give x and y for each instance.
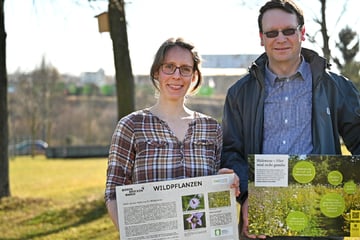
(103, 22)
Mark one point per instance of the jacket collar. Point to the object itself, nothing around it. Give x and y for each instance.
(317, 63)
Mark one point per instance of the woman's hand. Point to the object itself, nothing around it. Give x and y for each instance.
(236, 182)
(111, 206)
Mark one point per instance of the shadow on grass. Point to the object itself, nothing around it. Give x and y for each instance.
(55, 220)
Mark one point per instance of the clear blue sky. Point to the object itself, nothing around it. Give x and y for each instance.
(66, 31)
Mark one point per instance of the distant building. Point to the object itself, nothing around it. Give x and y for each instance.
(228, 61)
(97, 78)
(226, 65)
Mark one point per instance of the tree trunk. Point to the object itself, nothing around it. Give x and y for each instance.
(325, 36)
(4, 134)
(123, 71)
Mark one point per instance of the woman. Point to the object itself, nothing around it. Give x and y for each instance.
(168, 140)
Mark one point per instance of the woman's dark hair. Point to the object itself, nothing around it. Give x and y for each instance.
(160, 56)
(285, 5)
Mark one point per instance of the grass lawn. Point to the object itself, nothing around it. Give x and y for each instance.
(56, 199)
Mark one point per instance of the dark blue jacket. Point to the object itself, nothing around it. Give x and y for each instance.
(244, 115)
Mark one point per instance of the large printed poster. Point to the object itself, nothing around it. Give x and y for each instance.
(304, 195)
(191, 208)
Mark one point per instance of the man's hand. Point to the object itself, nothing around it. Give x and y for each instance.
(245, 220)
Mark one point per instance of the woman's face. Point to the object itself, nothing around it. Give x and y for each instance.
(286, 47)
(174, 87)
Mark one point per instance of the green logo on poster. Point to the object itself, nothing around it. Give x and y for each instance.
(335, 178)
(332, 205)
(303, 172)
(296, 221)
(350, 187)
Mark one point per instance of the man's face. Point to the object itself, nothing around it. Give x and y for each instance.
(281, 36)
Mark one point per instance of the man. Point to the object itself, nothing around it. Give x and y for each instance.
(288, 103)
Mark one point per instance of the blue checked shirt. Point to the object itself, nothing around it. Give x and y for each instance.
(144, 149)
(287, 113)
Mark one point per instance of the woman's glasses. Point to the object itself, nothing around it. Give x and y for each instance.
(169, 68)
(285, 32)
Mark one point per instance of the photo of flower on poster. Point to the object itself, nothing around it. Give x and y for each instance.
(194, 220)
(193, 202)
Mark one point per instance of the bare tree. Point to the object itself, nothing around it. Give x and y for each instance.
(349, 68)
(4, 134)
(324, 32)
(324, 29)
(123, 71)
(44, 80)
(34, 106)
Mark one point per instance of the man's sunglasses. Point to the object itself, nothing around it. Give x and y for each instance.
(285, 32)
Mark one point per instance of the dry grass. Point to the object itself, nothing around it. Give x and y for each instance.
(56, 199)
